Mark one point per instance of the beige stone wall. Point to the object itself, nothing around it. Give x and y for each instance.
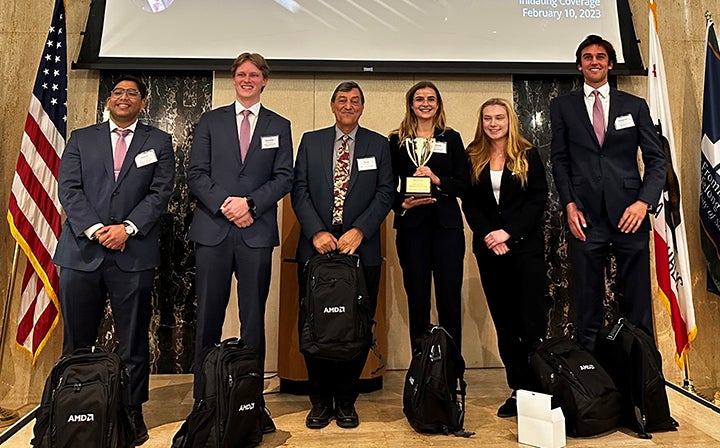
(304, 98)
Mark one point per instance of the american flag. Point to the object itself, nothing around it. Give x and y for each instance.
(34, 211)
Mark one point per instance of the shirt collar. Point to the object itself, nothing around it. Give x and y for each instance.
(351, 134)
(114, 126)
(255, 108)
(603, 89)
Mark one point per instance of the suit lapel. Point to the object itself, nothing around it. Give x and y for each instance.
(327, 147)
(105, 142)
(263, 120)
(140, 136)
(359, 151)
(616, 99)
(581, 111)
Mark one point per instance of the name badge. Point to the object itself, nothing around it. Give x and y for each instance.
(145, 158)
(440, 147)
(270, 142)
(623, 122)
(366, 164)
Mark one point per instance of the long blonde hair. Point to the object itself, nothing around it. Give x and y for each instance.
(478, 150)
(408, 126)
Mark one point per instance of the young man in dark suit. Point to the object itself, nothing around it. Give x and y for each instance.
(240, 167)
(596, 132)
(115, 181)
(349, 224)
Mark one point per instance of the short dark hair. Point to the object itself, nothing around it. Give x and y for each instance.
(594, 39)
(256, 58)
(346, 87)
(142, 88)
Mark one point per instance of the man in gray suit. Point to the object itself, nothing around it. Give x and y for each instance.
(240, 167)
(115, 181)
(596, 132)
(349, 224)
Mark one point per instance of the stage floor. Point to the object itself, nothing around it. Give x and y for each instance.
(382, 423)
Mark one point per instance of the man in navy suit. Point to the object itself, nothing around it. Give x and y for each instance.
(115, 181)
(596, 132)
(353, 228)
(240, 167)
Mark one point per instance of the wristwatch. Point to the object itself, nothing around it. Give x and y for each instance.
(251, 206)
(129, 229)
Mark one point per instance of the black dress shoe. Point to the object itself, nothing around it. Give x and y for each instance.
(509, 408)
(319, 416)
(346, 416)
(141, 431)
(266, 422)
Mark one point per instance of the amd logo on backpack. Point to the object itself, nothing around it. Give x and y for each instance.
(334, 309)
(73, 418)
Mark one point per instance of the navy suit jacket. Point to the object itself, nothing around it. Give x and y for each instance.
(215, 171)
(89, 194)
(588, 174)
(369, 196)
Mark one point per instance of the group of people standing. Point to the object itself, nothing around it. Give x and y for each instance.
(116, 178)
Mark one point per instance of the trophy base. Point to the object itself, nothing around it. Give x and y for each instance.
(419, 187)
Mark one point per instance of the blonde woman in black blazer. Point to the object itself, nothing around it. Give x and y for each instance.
(504, 207)
(430, 240)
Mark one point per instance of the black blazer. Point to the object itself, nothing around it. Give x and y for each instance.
(519, 213)
(586, 173)
(369, 196)
(452, 169)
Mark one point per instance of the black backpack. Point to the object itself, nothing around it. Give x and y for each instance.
(335, 319)
(434, 392)
(84, 403)
(630, 357)
(228, 400)
(579, 384)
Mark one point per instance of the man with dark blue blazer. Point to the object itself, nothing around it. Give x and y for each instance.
(115, 181)
(240, 167)
(350, 225)
(596, 132)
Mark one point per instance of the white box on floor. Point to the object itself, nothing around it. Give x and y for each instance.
(538, 424)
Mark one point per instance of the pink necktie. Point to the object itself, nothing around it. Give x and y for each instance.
(120, 150)
(244, 134)
(598, 118)
(340, 181)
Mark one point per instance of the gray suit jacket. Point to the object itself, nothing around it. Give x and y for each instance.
(369, 196)
(215, 171)
(588, 174)
(89, 194)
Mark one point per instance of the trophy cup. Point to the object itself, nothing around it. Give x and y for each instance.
(419, 150)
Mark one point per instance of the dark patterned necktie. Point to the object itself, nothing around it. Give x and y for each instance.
(340, 181)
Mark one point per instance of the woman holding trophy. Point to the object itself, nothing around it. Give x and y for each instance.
(430, 169)
(504, 207)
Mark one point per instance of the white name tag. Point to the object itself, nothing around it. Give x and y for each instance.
(270, 142)
(366, 164)
(440, 147)
(145, 158)
(624, 121)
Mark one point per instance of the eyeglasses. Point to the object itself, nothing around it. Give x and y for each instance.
(131, 93)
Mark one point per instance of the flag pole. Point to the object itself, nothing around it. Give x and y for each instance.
(7, 416)
(8, 299)
(687, 382)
